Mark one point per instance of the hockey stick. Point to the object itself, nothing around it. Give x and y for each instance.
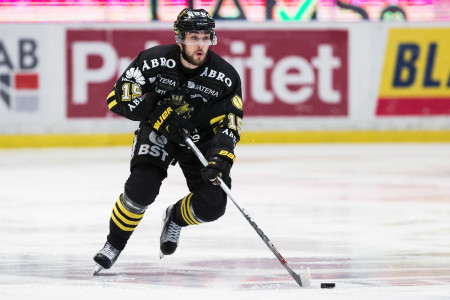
(302, 279)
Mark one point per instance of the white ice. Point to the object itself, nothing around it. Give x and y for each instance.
(373, 218)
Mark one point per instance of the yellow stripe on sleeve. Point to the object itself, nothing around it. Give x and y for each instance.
(112, 104)
(217, 119)
(113, 93)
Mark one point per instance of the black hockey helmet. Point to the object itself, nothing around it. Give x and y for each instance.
(194, 20)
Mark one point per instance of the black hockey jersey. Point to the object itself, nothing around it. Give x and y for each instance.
(211, 93)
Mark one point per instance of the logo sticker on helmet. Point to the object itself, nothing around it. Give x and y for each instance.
(194, 20)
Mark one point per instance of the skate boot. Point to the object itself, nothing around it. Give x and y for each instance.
(105, 258)
(170, 234)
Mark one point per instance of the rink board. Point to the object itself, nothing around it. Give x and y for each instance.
(361, 82)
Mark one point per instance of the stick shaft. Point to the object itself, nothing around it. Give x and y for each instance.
(302, 281)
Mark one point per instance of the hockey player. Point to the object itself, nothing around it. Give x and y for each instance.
(184, 86)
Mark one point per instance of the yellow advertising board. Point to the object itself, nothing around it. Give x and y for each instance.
(416, 75)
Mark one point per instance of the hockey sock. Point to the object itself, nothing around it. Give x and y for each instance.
(122, 224)
(184, 213)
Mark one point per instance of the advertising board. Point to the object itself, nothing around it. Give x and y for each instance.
(315, 82)
(22, 73)
(415, 80)
(285, 72)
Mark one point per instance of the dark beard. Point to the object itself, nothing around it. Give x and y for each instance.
(188, 59)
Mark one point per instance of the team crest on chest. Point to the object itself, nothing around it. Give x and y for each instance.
(182, 107)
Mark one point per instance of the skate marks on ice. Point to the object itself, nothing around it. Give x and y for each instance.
(220, 273)
(236, 274)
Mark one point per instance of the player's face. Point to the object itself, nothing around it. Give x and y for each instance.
(196, 45)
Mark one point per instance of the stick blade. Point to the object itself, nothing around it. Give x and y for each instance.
(305, 278)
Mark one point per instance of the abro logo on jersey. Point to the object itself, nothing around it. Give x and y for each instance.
(216, 75)
(162, 61)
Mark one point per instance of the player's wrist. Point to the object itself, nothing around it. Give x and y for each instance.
(226, 155)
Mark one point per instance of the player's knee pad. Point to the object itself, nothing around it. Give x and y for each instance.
(143, 184)
(209, 205)
(132, 206)
(198, 207)
(186, 211)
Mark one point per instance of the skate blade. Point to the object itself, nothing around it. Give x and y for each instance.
(97, 269)
(161, 255)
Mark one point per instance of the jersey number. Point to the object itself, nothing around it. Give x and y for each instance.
(235, 123)
(135, 90)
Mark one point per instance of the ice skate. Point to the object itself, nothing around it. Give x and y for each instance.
(105, 258)
(170, 234)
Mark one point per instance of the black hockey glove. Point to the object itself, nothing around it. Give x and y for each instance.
(217, 166)
(169, 122)
(174, 125)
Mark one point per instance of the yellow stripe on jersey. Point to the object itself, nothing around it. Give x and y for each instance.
(217, 119)
(112, 104)
(113, 93)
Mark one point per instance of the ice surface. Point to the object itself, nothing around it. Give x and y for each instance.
(373, 218)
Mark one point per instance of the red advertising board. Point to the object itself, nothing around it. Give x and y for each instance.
(284, 72)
